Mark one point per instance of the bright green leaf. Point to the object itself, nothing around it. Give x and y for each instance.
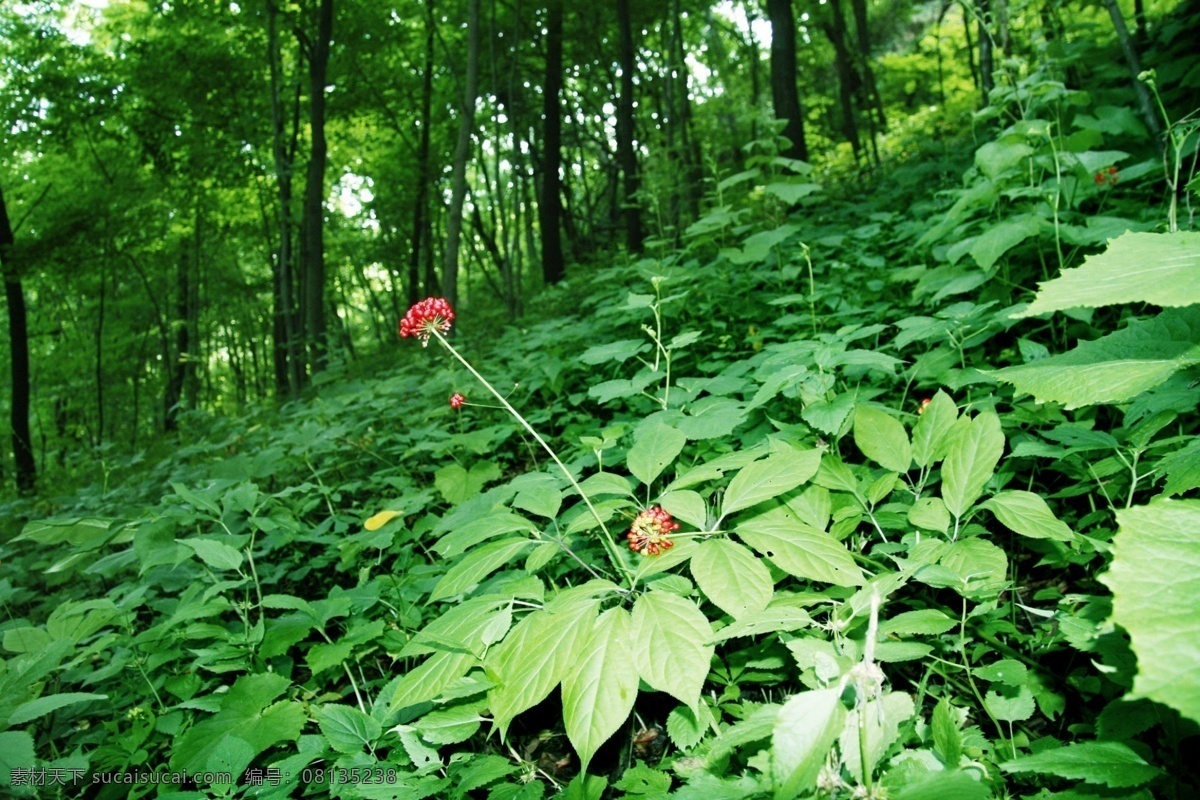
(805, 729)
(599, 690)
(970, 462)
(773, 476)
(655, 447)
(882, 439)
(732, 577)
(1110, 763)
(1027, 514)
(670, 645)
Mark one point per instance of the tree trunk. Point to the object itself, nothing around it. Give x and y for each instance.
(1135, 68)
(784, 91)
(550, 208)
(18, 339)
(986, 50)
(420, 236)
(626, 156)
(462, 153)
(312, 249)
(848, 83)
(284, 334)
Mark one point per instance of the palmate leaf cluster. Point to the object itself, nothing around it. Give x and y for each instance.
(369, 594)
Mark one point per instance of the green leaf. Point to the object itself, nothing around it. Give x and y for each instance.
(247, 715)
(347, 729)
(779, 617)
(1182, 469)
(1116, 367)
(1002, 237)
(599, 690)
(538, 653)
(776, 474)
(541, 500)
(935, 421)
(995, 158)
(1110, 763)
(1027, 514)
(1010, 703)
(1162, 269)
(978, 565)
(655, 447)
(800, 549)
(477, 565)
(930, 513)
(619, 351)
(670, 645)
(871, 728)
(460, 628)
(323, 656)
(732, 577)
(430, 679)
(970, 462)
(492, 524)
(27, 712)
(947, 738)
(882, 439)
(805, 729)
(686, 505)
(217, 555)
(926, 621)
(458, 485)
(1155, 581)
(16, 752)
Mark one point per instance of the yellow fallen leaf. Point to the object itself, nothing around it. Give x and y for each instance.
(379, 520)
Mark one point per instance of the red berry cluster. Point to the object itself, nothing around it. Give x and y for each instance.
(457, 400)
(429, 315)
(1107, 177)
(649, 534)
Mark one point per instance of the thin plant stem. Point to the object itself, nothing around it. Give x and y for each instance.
(607, 539)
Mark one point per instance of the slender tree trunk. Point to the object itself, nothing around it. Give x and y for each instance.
(284, 333)
(975, 80)
(177, 395)
(312, 250)
(784, 90)
(420, 236)
(18, 339)
(626, 156)
(550, 209)
(863, 26)
(689, 149)
(986, 50)
(847, 78)
(1135, 68)
(462, 152)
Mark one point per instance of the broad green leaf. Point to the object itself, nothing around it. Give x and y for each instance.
(1182, 469)
(27, 712)
(246, 714)
(686, 505)
(1155, 581)
(347, 729)
(1027, 514)
(882, 439)
(670, 645)
(978, 566)
(1116, 367)
(779, 617)
(935, 421)
(926, 621)
(323, 656)
(970, 462)
(800, 549)
(655, 447)
(947, 738)
(930, 514)
(458, 485)
(217, 555)
(1162, 269)
(538, 653)
(775, 475)
(87, 533)
(1110, 763)
(619, 351)
(451, 725)
(431, 678)
(16, 752)
(953, 785)
(491, 524)
(1010, 703)
(460, 628)
(1002, 237)
(599, 690)
(732, 577)
(712, 418)
(995, 158)
(477, 565)
(606, 483)
(805, 729)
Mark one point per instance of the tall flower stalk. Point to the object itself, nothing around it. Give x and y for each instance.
(432, 318)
